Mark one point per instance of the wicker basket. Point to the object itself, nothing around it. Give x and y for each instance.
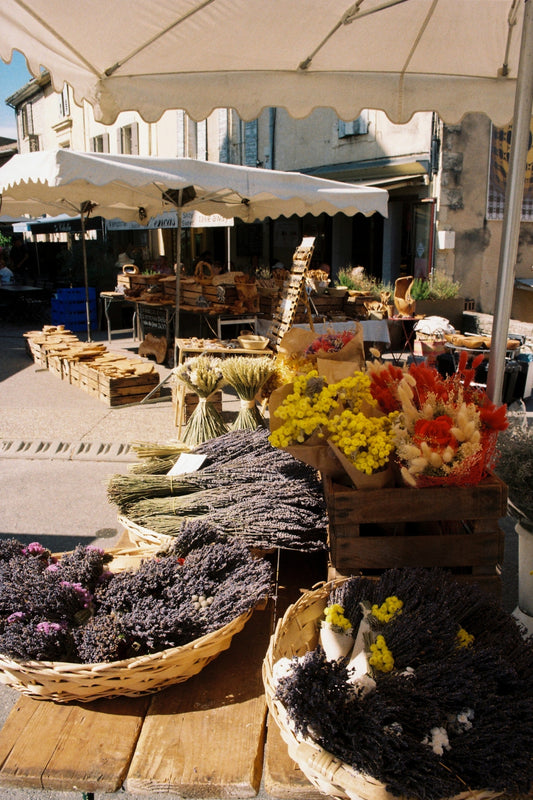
(64, 682)
(297, 633)
(146, 539)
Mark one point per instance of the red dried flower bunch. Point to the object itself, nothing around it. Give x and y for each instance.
(329, 343)
(447, 428)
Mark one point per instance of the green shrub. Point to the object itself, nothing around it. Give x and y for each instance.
(438, 287)
(358, 281)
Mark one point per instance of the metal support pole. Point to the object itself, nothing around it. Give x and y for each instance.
(512, 209)
(85, 276)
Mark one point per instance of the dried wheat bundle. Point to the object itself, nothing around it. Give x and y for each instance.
(247, 375)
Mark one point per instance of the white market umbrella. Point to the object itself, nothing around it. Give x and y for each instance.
(401, 56)
(138, 188)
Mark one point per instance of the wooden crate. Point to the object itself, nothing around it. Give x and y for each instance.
(453, 527)
(38, 353)
(115, 391)
(327, 303)
(190, 401)
(55, 365)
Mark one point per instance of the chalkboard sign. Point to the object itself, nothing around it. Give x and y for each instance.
(293, 290)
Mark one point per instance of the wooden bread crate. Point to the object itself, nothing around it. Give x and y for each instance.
(56, 365)
(190, 292)
(38, 353)
(453, 527)
(115, 391)
(327, 303)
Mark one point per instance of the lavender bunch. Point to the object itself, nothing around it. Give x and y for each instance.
(455, 710)
(70, 609)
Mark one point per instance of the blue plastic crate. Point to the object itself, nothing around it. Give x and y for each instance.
(75, 294)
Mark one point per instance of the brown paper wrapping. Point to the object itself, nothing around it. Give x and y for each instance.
(377, 480)
(315, 451)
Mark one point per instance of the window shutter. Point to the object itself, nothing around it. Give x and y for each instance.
(223, 136)
(356, 127)
(105, 143)
(250, 143)
(201, 140)
(135, 138)
(119, 140)
(180, 120)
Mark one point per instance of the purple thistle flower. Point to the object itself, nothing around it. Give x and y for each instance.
(52, 567)
(15, 616)
(50, 627)
(84, 595)
(34, 549)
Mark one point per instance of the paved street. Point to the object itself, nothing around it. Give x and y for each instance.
(61, 500)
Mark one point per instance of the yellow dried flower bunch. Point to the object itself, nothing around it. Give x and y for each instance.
(334, 616)
(343, 412)
(304, 411)
(386, 611)
(381, 658)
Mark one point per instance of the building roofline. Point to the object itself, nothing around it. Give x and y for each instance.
(29, 89)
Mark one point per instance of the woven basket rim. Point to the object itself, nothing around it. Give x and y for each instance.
(126, 663)
(324, 770)
(144, 535)
(65, 681)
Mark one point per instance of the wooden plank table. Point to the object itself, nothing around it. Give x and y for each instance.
(207, 737)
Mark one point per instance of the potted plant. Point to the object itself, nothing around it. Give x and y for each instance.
(439, 296)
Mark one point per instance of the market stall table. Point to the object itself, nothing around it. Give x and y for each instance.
(109, 299)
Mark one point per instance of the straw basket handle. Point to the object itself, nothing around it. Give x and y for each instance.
(204, 272)
(130, 269)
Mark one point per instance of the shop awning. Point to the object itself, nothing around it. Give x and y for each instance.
(60, 224)
(190, 219)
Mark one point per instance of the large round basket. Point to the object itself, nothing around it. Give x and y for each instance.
(64, 682)
(297, 633)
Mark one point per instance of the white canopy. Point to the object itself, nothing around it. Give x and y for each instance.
(53, 181)
(402, 56)
(138, 189)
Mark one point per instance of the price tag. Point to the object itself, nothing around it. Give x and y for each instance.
(187, 462)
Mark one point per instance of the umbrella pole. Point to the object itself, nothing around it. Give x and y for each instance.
(178, 280)
(512, 210)
(85, 276)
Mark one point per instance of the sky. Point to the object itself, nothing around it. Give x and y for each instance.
(12, 77)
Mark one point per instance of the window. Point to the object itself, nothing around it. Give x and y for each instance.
(64, 102)
(27, 120)
(128, 139)
(356, 127)
(498, 168)
(100, 144)
(33, 141)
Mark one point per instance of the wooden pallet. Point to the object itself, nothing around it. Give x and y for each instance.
(452, 527)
